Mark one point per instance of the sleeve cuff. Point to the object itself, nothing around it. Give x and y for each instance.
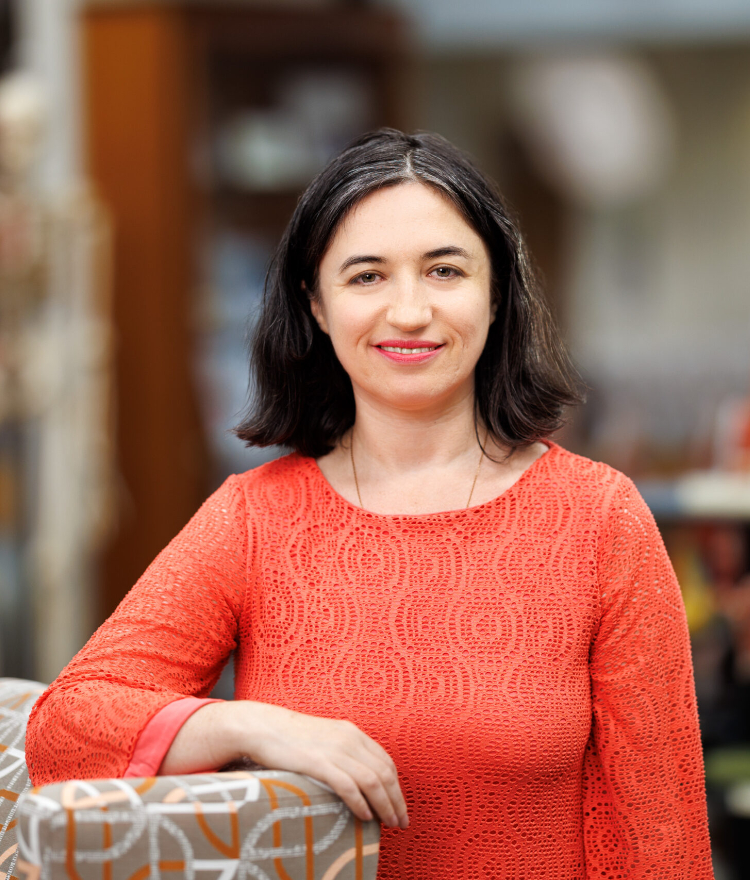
(157, 736)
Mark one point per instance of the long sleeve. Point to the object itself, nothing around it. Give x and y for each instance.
(643, 783)
(168, 639)
(158, 735)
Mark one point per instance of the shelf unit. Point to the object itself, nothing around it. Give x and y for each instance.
(700, 495)
(159, 79)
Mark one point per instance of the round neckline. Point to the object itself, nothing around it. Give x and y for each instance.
(552, 447)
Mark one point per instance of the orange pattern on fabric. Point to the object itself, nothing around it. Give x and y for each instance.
(146, 785)
(106, 844)
(16, 701)
(274, 802)
(268, 785)
(335, 869)
(358, 865)
(145, 871)
(525, 662)
(230, 851)
(70, 847)
(8, 853)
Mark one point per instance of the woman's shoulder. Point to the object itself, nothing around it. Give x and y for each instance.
(599, 497)
(590, 479)
(283, 474)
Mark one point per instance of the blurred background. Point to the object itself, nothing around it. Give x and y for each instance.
(150, 156)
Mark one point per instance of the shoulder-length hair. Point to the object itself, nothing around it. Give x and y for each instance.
(302, 397)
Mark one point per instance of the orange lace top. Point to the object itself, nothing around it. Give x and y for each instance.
(525, 662)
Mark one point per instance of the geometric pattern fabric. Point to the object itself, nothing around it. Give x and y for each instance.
(266, 824)
(16, 700)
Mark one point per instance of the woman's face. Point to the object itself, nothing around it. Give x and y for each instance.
(404, 294)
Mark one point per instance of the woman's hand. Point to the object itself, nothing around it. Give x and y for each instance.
(335, 752)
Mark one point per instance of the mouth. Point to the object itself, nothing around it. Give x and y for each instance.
(396, 350)
(409, 352)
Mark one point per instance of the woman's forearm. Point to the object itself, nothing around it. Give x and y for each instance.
(335, 752)
(207, 740)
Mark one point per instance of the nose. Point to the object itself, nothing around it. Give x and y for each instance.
(409, 307)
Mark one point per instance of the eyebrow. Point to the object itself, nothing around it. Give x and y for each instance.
(353, 261)
(447, 251)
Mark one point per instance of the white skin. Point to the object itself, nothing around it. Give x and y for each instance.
(415, 448)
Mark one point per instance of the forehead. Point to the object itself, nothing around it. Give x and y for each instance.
(409, 216)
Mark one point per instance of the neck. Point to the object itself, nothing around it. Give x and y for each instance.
(399, 441)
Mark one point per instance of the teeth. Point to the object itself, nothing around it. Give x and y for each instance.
(407, 350)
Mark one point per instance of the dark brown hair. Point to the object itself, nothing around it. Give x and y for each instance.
(302, 397)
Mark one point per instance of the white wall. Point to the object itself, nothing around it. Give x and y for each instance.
(657, 295)
(659, 307)
(495, 23)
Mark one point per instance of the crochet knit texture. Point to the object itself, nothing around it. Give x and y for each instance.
(525, 662)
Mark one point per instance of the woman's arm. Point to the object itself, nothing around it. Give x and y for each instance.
(643, 783)
(335, 752)
(169, 638)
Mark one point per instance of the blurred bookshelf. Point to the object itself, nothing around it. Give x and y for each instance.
(700, 495)
(205, 121)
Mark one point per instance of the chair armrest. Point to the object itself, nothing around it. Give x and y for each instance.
(263, 824)
(17, 698)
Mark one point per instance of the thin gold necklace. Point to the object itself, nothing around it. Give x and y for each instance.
(474, 482)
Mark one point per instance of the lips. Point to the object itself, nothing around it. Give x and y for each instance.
(394, 350)
(409, 350)
(406, 346)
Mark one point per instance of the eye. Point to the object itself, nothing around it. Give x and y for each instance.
(365, 278)
(446, 272)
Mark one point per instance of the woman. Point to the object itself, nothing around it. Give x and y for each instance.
(460, 627)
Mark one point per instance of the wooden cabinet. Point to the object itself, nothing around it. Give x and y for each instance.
(161, 80)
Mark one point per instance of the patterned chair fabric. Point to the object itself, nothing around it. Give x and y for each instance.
(17, 698)
(264, 824)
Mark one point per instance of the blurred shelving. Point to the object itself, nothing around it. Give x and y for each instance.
(205, 120)
(699, 495)
(275, 101)
(253, 211)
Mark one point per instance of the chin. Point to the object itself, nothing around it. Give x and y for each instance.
(412, 400)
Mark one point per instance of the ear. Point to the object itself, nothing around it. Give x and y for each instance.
(316, 309)
(493, 311)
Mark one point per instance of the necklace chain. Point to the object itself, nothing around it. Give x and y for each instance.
(473, 484)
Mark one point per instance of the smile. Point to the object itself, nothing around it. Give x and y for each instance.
(409, 353)
(406, 350)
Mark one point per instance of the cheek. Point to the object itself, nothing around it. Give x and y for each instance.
(332, 317)
(473, 323)
(349, 322)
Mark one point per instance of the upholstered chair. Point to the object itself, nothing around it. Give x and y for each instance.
(264, 824)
